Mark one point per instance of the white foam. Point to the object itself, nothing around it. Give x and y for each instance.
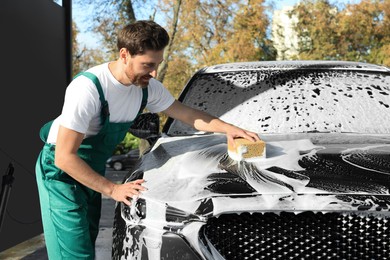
(185, 175)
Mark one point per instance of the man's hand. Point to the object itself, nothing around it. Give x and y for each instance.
(235, 132)
(124, 192)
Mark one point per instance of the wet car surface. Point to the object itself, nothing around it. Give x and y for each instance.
(321, 192)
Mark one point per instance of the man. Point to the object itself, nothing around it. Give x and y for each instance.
(98, 109)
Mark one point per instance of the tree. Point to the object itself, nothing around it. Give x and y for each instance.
(75, 50)
(358, 32)
(365, 32)
(109, 16)
(248, 40)
(383, 56)
(204, 28)
(317, 29)
(213, 31)
(84, 58)
(162, 70)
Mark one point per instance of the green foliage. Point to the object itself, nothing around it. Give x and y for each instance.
(129, 142)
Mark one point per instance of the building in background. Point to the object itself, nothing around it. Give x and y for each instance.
(283, 34)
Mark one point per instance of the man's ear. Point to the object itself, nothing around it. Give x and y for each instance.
(124, 55)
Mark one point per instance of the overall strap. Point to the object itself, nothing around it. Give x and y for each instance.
(105, 112)
(44, 131)
(144, 100)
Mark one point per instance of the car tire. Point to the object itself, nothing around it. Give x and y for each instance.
(117, 166)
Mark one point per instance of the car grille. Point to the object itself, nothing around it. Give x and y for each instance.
(307, 235)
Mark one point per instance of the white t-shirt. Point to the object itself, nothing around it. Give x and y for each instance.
(82, 106)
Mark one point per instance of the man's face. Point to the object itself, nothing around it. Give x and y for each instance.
(142, 67)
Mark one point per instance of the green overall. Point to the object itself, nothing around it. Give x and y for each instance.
(71, 211)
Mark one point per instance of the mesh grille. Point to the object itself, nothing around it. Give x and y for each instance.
(306, 235)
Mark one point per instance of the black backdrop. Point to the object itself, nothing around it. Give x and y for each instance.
(35, 70)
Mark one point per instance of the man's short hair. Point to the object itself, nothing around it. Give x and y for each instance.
(142, 36)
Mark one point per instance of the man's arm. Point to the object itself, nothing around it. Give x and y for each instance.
(67, 159)
(206, 122)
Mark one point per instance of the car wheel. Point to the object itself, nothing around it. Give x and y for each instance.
(117, 166)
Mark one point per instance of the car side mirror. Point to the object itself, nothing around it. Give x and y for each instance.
(146, 126)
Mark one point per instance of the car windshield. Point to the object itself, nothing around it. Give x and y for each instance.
(292, 100)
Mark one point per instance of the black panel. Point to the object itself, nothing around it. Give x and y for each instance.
(34, 77)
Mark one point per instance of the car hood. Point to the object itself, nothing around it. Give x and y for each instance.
(194, 174)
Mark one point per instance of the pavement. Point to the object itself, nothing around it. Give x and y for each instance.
(35, 249)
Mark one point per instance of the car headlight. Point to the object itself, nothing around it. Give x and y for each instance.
(172, 217)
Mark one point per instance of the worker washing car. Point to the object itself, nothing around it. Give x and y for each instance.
(99, 107)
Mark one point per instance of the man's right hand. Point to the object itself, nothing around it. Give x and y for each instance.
(124, 192)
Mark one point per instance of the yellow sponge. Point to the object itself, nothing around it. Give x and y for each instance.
(246, 150)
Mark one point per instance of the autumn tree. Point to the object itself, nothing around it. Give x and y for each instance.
(208, 32)
(356, 32)
(203, 26)
(383, 56)
(75, 50)
(173, 21)
(364, 29)
(248, 40)
(225, 31)
(317, 29)
(109, 16)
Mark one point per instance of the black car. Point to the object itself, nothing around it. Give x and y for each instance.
(322, 192)
(123, 161)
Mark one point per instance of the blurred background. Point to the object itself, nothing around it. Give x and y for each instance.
(208, 32)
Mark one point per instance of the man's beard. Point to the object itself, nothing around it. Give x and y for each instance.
(139, 80)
